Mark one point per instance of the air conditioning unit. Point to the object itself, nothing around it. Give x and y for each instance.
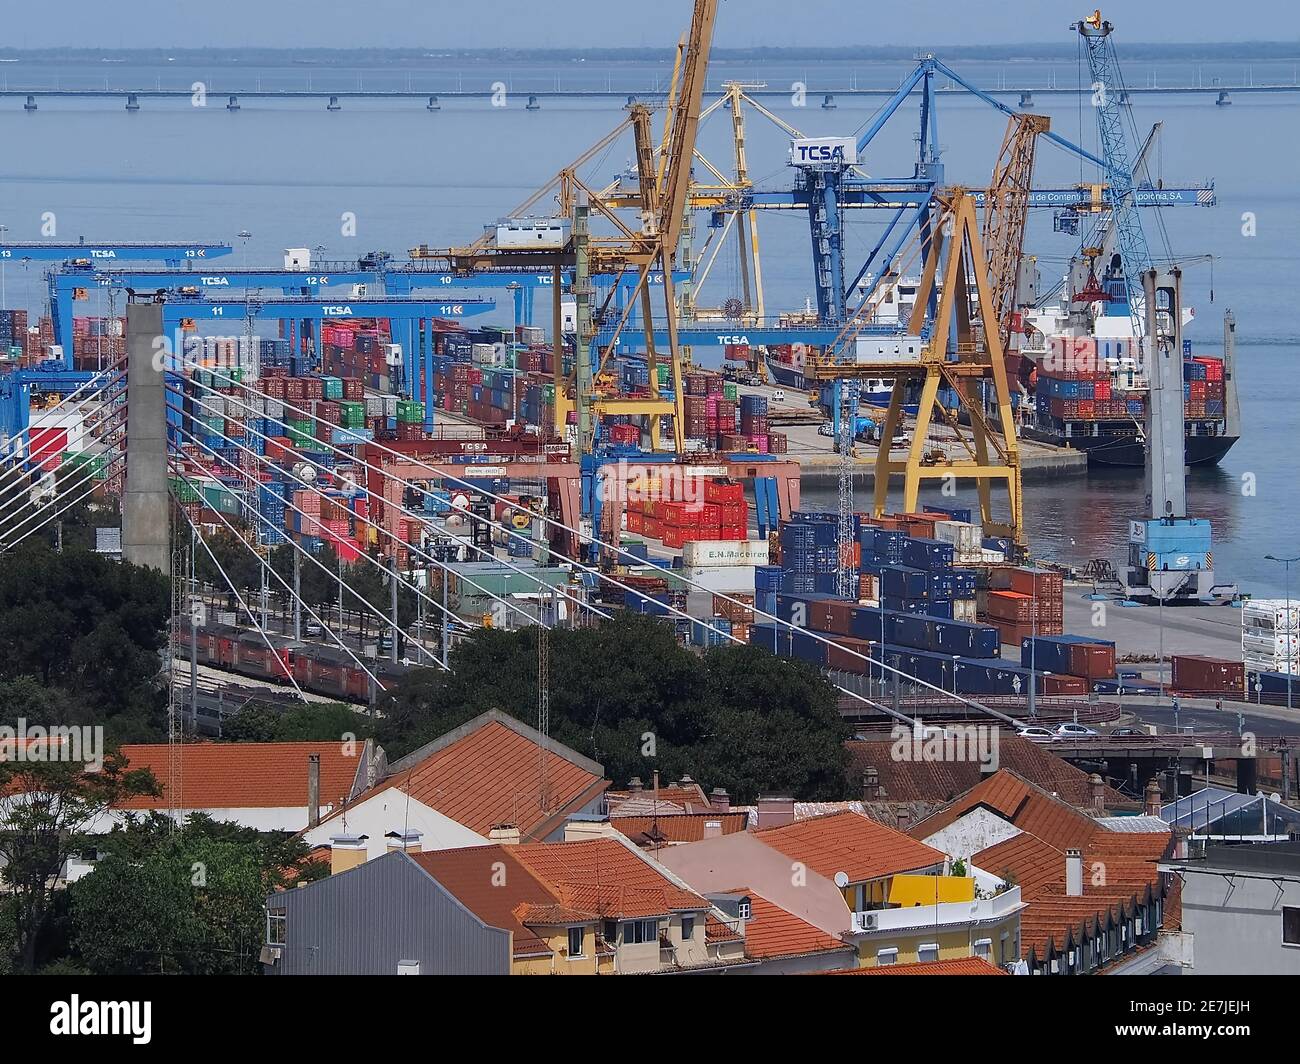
(870, 921)
(393, 354)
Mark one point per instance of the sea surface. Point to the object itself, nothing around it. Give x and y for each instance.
(290, 173)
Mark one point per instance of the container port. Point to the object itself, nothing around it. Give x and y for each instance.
(434, 447)
(389, 496)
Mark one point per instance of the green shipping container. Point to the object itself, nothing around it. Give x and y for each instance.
(730, 392)
(353, 414)
(96, 463)
(184, 490)
(410, 412)
(332, 387)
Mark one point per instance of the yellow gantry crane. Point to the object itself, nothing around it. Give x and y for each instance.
(963, 351)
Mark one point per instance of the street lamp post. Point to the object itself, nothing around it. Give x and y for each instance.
(1286, 630)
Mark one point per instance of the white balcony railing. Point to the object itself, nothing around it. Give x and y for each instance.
(945, 914)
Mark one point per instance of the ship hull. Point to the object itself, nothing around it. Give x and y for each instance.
(1127, 451)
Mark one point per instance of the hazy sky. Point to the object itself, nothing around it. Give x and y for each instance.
(591, 23)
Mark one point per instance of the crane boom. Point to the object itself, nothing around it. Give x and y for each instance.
(1107, 92)
(685, 124)
(1006, 212)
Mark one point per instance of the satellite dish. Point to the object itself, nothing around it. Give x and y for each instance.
(841, 880)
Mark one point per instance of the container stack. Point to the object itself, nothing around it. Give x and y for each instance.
(1022, 602)
(1069, 664)
(1270, 635)
(714, 511)
(952, 655)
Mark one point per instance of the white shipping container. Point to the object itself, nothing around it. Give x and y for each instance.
(1271, 614)
(729, 578)
(964, 610)
(275, 409)
(965, 538)
(711, 552)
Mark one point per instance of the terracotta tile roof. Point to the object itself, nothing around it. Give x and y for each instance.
(956, 966)
(687, 798)
(471, 874)
(678, 827)
(247, 775)
(606, 877)
(773, 932)
(556, 883)
(942, 781)
(488, 772)
(850, 843)
(1118, 866)
(1025, 805)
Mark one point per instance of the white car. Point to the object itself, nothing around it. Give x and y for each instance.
(1036, 735)
(1074, 731)
(778, 396)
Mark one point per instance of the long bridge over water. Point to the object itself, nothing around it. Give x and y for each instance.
(824, 97)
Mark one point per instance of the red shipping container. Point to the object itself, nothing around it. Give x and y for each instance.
(1093, 661)
(843, 655)
(1011, 606)
(1060, 684)
(1194, 673)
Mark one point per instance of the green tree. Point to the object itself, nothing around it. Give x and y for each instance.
(180, 902)
(46, 812)
(321, 722)
(627, 695)
(86, 625)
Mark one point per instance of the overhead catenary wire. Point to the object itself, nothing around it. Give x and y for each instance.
(387, 622)
(620, 551)
(301, 601)
(51, 517)
(243, 605)
(438, 526)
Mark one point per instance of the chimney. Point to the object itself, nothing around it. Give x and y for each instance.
(634, 785)
(505, 835)
(687, 781)
(347, 851)
(404, 840)
(774, 810)
(1153, 801)
(1074, 873)
(720, 800)
(313, 790)
(712, 829)
(1097, 787)
(904, 820)
(870, 784)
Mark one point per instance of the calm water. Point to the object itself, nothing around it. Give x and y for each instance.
(288, 172)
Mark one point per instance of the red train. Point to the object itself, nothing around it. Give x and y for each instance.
(320, 669)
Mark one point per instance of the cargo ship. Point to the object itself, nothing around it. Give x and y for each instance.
(1088, 383)
(1075, 373)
